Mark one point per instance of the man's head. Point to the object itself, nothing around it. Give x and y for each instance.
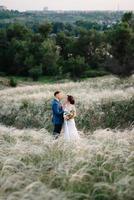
(58, 95)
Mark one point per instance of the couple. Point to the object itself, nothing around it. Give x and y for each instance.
(63, 116)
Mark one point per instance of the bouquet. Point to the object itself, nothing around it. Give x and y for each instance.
(69, 115)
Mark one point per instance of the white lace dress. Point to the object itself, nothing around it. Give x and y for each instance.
(70, 130)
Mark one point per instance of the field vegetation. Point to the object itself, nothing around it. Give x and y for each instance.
(100, 166)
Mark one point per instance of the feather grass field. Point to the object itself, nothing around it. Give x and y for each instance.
(100, 166)
(101, 102)
(33, 166)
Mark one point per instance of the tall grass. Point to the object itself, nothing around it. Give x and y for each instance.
(101, 103)
(100, 166)
(34, 166)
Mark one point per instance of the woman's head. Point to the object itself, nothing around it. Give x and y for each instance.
(70, 99)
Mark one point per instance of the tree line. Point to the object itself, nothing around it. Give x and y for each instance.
(65, 16)
(53, 50)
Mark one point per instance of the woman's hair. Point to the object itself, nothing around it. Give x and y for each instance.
(71, 99)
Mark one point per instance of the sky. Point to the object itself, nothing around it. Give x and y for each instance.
(68, 4)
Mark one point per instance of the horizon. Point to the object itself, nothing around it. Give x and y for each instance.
(69, 5)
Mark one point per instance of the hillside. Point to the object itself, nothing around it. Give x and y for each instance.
(99, 167)
(107, 17)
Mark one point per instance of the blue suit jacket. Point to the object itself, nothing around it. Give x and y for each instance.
(57, 112)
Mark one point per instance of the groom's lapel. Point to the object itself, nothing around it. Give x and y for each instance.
(59, 103)
(56, 100)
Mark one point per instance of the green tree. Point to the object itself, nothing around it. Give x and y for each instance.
(35, 72)
(50, 56)
(127, 17)
(91, 45)
(122, 49)
(58, 26)
(45, 29)
(17, 31)
(66, 44)
(15, 57)
(76, 67)
(3, 50)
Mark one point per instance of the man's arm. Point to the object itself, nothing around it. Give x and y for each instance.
(56, 109)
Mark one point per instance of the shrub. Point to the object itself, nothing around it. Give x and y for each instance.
(113, 114)
(95, 73)
(13, 82)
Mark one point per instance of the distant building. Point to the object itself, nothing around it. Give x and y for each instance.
(3, 8)
(45, 8)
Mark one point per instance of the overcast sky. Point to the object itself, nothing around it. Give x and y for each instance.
(69, 4)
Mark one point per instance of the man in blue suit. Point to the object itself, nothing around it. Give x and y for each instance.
(58, 111)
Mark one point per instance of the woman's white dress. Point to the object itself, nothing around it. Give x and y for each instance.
(70, 130)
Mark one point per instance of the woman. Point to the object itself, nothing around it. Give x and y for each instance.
(70, 130)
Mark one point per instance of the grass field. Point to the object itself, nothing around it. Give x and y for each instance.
(99, 167)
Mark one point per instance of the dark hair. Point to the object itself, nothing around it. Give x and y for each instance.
(70, 99)
(57, 92)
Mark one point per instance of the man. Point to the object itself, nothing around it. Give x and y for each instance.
(58, 111)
